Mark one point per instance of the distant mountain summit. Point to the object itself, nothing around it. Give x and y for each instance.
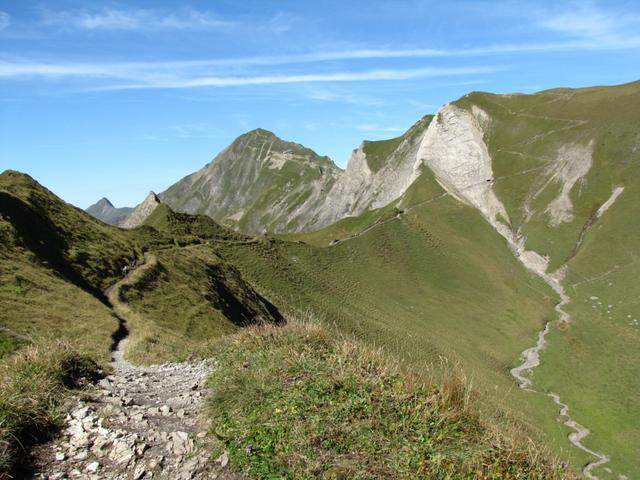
(104, 210)
(259, 182)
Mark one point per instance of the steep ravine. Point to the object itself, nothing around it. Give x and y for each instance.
(453, 148)
(531, 360)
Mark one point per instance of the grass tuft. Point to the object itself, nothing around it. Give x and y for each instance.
(34, 384)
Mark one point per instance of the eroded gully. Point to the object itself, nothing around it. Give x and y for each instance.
(531, 360)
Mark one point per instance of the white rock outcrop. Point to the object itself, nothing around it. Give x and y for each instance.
(617, 191)
(142, 211)
(454, 149)
(572, 164)
(359, 189)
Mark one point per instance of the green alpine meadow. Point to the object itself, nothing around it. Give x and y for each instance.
(268, 240)
(327, 342)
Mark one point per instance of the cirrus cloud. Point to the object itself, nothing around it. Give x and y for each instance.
(131, 20)
(179, 75)
(4, 20)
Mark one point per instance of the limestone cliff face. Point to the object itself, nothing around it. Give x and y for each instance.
(142, 211)
(377, 174)
(454, 149)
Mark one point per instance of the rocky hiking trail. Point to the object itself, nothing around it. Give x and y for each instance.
(137, 422)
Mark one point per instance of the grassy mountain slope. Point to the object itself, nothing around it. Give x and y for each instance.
(599, 350)
(78, 248)
(535, 140)
(55, 263)
(59, 260)
(584, 142)
(187, 294)
(315, 404)
(188, 228)
(195, 284)
(435, 282)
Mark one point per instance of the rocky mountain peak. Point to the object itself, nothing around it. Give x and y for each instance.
(142, 211)
(104, 210)
(152, 198)
(261, 182)
(104, 202)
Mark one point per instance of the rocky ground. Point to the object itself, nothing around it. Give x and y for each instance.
(139, 422)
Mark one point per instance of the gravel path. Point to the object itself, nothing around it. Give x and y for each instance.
(137, 423)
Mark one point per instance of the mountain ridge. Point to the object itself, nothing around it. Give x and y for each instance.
(281, 186)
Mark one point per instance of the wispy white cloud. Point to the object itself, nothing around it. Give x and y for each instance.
(4, 20)
(10, 68)
(175, 75)
(592, 26)
(585, 22)
(380, 129)
(130, 19)
(328, 95)
(349, 76)
(583, 27)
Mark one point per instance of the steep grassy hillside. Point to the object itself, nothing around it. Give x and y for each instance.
(378, 152)
(314, 404)
(585, 141)
(434, 282)
(192, 284)
(54, 263)
(437, 275)
(58, 260)
(189, 228)
(566, 166)
(78, 248)
(55, 320)
(185, 297)
(599, 350)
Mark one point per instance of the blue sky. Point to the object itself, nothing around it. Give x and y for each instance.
(118, 98)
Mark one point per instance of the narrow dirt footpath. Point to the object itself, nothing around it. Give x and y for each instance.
(137, 423)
